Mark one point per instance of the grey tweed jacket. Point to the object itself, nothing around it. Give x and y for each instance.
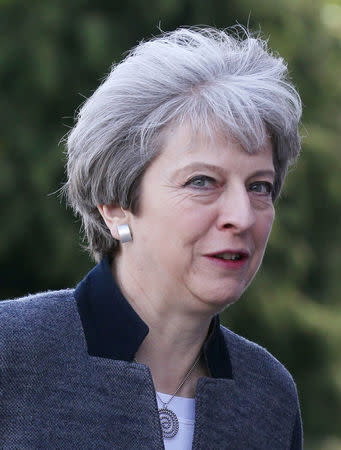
(67, 380)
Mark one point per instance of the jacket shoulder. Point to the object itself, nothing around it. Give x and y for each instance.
(37, 306)
(39, 297)
(38, 324)
(253, 362)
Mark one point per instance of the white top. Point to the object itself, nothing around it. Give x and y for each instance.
(184, 408)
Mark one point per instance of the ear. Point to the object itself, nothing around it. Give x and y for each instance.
(113, 215)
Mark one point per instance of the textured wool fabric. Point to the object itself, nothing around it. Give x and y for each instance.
(54, 394)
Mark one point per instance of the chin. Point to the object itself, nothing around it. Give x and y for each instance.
(216, 302)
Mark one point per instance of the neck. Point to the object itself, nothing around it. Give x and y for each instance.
(175, 336)
(170, 350)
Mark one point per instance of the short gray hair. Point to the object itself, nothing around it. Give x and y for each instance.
(226, 80)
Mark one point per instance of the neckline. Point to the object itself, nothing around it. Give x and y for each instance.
(167, 396)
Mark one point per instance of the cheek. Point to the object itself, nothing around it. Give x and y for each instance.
(177, 237)
(193, 223)
(264, 228)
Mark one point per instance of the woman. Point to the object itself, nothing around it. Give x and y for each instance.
(173, 165)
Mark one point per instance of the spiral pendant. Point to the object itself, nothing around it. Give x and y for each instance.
(169, 423)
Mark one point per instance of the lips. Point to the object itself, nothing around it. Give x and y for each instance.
(229, 259)
(231, 255)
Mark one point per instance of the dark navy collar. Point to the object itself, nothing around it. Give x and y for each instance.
(114, 330)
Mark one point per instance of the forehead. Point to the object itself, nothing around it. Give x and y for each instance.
(181, 145)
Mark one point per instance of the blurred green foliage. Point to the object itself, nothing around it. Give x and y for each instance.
(54, 54)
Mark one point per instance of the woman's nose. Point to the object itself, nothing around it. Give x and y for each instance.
(236, 210)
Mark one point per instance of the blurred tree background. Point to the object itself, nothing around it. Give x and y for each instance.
(54, 54)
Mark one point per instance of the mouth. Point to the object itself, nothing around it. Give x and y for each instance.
(230, 255)
(227, 256)
(230, 258)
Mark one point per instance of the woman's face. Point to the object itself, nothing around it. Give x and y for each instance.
(204, 220)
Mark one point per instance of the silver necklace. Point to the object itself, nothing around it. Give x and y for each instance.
(168, 419)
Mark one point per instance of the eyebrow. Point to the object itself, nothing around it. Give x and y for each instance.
(202, 165)
(221, 171)
(264, 173)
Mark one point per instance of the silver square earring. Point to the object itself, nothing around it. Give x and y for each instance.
(124, 233)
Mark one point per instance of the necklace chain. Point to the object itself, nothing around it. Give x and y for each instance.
(188, 374)
(168, 419)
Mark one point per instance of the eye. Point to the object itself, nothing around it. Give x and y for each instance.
(200, 182)
(261, 187)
